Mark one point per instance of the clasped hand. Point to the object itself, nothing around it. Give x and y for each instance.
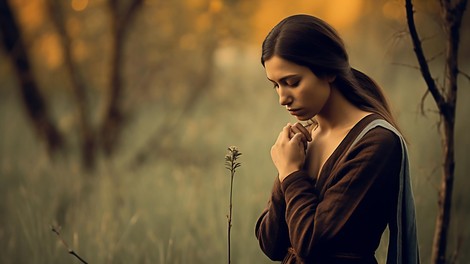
(288, 153)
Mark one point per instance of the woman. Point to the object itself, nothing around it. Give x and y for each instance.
(342, 180)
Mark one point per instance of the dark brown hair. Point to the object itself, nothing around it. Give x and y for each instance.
(313, 43)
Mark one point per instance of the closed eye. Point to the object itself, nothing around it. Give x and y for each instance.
(275, 85)
(293, 83)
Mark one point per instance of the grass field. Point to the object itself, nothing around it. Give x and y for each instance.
(172, 208)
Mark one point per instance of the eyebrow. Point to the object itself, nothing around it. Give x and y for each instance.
(285, 78)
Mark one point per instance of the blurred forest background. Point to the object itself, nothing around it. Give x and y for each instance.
(123, 143)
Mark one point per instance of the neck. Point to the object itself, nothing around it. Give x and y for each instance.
(338, 113)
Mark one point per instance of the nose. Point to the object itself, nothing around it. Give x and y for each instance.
(285, 97)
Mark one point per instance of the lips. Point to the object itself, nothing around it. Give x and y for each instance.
(294, 111)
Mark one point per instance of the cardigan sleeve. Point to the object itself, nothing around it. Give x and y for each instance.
(312, 223)
(271, 228)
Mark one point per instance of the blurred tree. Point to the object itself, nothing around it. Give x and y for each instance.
(86, 133)
(122, 13)
(188, 50)
(34, 102)
(445, 96)
(163, 55)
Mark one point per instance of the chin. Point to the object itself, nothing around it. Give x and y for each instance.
(302, 118)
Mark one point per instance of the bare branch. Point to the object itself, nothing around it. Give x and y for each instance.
(466, 75)
(394, 40)
(429, 179)
(455, 254)
(34, 102)
(452, 16)
(422, 102)
(406, 65)
(424, 39)
(131, 11)
(435, 56)
(424, 67)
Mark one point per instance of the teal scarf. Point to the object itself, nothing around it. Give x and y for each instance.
(403, 241)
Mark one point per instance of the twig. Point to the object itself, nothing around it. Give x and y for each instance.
(466, 75)
(57, 232)
(435, 56)
(455, 254)
(406, 65)
(231, 164)
(422, 102)
(424, 39)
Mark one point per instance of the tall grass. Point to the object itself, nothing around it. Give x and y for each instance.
(172, 209)
(165, 211)
(164, 216)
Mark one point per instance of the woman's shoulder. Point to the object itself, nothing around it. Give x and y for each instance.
(377, 145)
(382, 132)
(383, 136)
(380, 141)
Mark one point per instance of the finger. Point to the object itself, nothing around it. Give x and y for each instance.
(299, 139)
(294, 130)
(285, 133)
(291, 132)
(303, 130)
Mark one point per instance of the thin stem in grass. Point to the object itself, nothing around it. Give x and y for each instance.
(231, 164)
(57, 232)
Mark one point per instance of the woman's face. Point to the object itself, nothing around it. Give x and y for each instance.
(302, 93)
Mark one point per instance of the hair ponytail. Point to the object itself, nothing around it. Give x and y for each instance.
(375, 97)
(370, 87)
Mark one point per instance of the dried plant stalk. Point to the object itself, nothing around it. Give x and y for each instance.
(57, 232)
(231, 164)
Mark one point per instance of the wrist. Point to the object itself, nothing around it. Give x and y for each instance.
(286, 173)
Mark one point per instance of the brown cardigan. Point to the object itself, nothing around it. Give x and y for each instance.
(340, 217)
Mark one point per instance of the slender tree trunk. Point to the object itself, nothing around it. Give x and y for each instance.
(86, 133)
(452, 17)
(445, 196)
(113, 118)
(35, 104)
(446, 100)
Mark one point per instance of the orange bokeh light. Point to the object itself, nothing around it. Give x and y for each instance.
(79, 5)
(339, 13)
